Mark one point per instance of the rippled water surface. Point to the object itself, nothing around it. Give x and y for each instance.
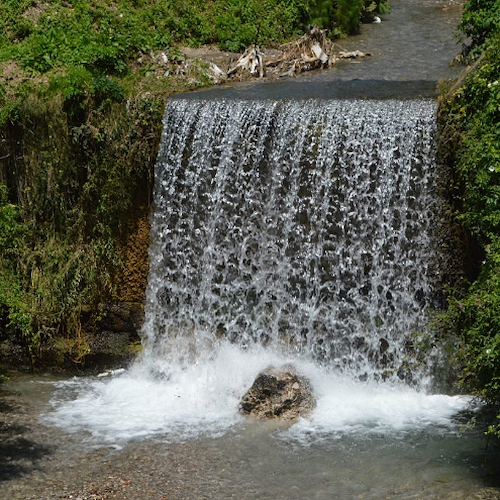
(430, 460)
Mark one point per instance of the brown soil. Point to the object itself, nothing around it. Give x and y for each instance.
(133, 280)
(211, 53)
(34, 12)
(11, 75)
(223, 59)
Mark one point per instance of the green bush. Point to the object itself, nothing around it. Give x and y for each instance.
(344, 16)
(240, 24)
(475, 317)
(83, 90)
(347, 15)
(480, 20)
(75, 187)
(12, 231)
(470, 142)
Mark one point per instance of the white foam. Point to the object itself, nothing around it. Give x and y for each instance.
(204, 398)
(347, 406)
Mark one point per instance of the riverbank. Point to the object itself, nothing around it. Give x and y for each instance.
(469, 111)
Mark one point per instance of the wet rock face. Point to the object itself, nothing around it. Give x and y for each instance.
(278, 393)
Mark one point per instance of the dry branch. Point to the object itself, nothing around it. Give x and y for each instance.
(353, 54)
(252, 60)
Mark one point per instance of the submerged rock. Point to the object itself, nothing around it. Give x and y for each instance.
(279, 393)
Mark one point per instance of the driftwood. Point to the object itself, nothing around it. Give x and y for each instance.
(215, 74)
(310, 51)
(353, 54)
(252, 60)
(313, 50)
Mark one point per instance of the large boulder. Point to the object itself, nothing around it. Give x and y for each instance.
(279, 393)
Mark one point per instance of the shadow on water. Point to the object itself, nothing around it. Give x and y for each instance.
(332, 89)
(18, 454)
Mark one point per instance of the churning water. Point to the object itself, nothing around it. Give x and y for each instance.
(300, 232)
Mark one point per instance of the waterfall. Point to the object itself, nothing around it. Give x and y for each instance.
(301, 232)
(303, 226)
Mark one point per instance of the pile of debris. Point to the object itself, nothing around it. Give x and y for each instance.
(313, 50)
(251, 61)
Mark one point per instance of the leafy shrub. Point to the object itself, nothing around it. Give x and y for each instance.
(480, 20)
(478, 161)
(82, 90)
(76, 185)
(12, 308)
(347, 15)
(22, 29)
(344, 16)
(476, 318)
(240, 24)
(470, 143)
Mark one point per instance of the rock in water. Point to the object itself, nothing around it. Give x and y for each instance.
(278, 393)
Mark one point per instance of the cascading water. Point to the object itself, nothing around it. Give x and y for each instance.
(302, 232)
(305, 226)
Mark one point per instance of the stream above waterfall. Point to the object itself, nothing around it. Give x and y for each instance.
(412, 49)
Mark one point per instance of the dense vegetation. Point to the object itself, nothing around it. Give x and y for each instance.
(107, 34)
(83, 84)
(470, 133)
